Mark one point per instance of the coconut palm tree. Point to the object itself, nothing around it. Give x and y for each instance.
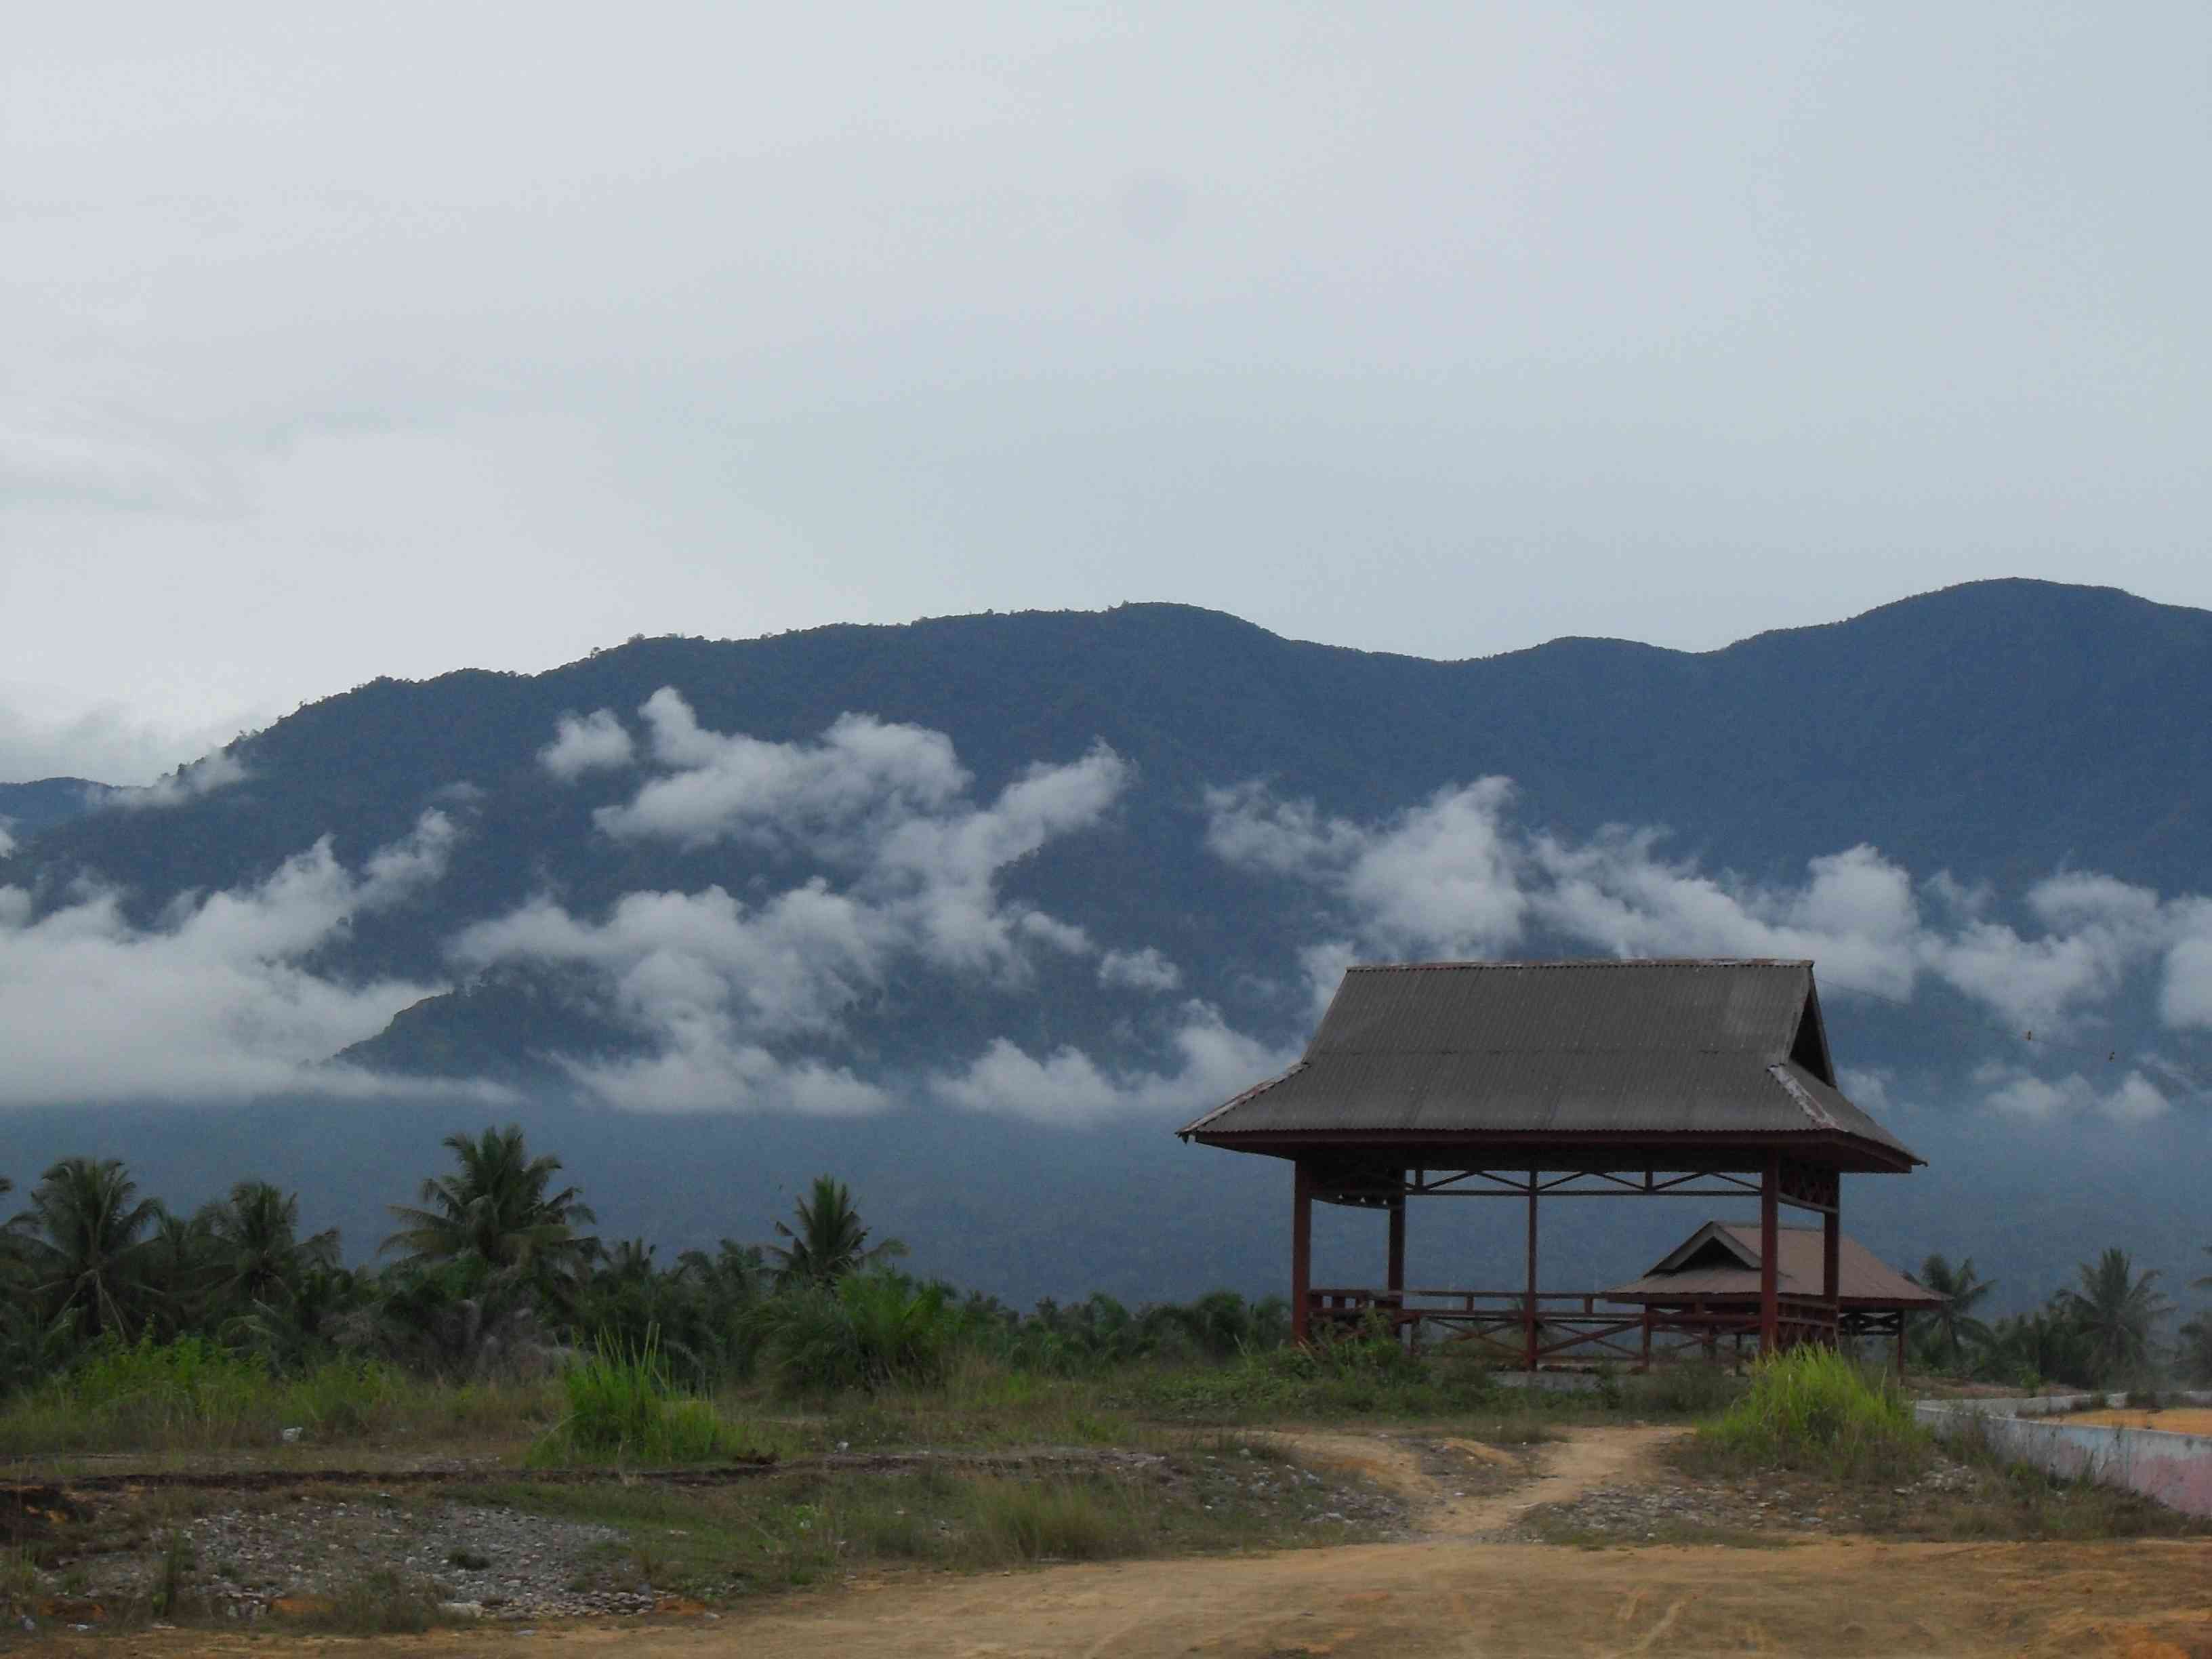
(84, 1240)
(258, 1254)
(177, 1269)
(496, 1209)
(829, 1242)
(1961, 1289)
(2115, 1307)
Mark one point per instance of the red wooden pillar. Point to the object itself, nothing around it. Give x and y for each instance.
(1396, 1280)
(1832, 1234)
(1395, 1273)
(1301, 1250)
(1770, 1253)
(1528, 1313)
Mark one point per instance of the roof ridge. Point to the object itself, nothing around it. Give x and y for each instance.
(1779, 1071)
(1583, 962)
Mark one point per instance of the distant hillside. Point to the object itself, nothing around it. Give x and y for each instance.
(1999, 727)
(2000, 732)
(28, 808)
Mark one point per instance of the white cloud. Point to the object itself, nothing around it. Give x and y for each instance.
(213, 1000)
(1441, 876)
(1453, 877)
(2098, 930)
(705, 1071)
(2014, 1092)
(1855, 912)
(945, 865)
(1139, 971)
(218, 770)
(586, 743)
(863, 776)
(1068, 1088)
(7, 840)
(722, 990)
(1867, 1088)
(2186, 1000)
(1064, 937)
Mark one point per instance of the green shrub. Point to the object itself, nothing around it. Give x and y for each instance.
(864, 1331)
(1812, 1408)
(623, 1405)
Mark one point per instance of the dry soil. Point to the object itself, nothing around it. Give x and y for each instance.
(1446, 1592)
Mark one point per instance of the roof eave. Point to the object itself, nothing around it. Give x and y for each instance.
(1866, 1157)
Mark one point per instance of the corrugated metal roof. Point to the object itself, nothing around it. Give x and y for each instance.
(1664, 1047)
(1723, 1263)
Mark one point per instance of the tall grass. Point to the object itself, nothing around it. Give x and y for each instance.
(624, 1406)
(1365, 1374)
(1058, 1521)
(193, 1395)
(1813, 1409)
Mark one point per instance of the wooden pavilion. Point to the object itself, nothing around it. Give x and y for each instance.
(1707, 1287)
(1530, 1080)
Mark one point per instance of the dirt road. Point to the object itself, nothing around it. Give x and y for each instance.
(1449, 1593)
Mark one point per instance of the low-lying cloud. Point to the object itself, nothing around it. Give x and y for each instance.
(586, 743)
(219, 769)
(728, 992)
(1068, 1088)
(1454, 877)
(754, 997)
(213, 1000)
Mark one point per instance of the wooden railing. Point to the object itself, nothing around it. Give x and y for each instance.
(1570, 1325)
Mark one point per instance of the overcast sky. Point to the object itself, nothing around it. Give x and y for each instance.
(348, 341)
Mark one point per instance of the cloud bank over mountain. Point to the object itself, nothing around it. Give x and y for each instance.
(1454, 877)
(753, 996)
(223, 996)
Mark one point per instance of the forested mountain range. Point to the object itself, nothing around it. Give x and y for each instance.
(975, 910)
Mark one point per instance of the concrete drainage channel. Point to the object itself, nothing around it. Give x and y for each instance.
(2174, 1469)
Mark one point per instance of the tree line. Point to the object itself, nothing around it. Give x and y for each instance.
(2100, 1331)
(492, 1270)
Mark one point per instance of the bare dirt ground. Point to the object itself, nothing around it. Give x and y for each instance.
(1446, 1591)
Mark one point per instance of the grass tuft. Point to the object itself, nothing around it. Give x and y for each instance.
(1815, 1410)
(1057, 1521)
(624, 1407)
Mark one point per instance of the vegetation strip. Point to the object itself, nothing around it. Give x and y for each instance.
(19, 1494)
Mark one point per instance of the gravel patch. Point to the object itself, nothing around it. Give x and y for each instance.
(1775, 1505)
(1299, 1494)
(505, 1563)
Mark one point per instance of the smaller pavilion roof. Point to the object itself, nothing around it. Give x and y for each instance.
(1719, 1262)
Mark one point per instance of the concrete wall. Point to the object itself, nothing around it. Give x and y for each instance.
(2175, 1469)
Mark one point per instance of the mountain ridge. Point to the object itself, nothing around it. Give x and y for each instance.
(1998, 733)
